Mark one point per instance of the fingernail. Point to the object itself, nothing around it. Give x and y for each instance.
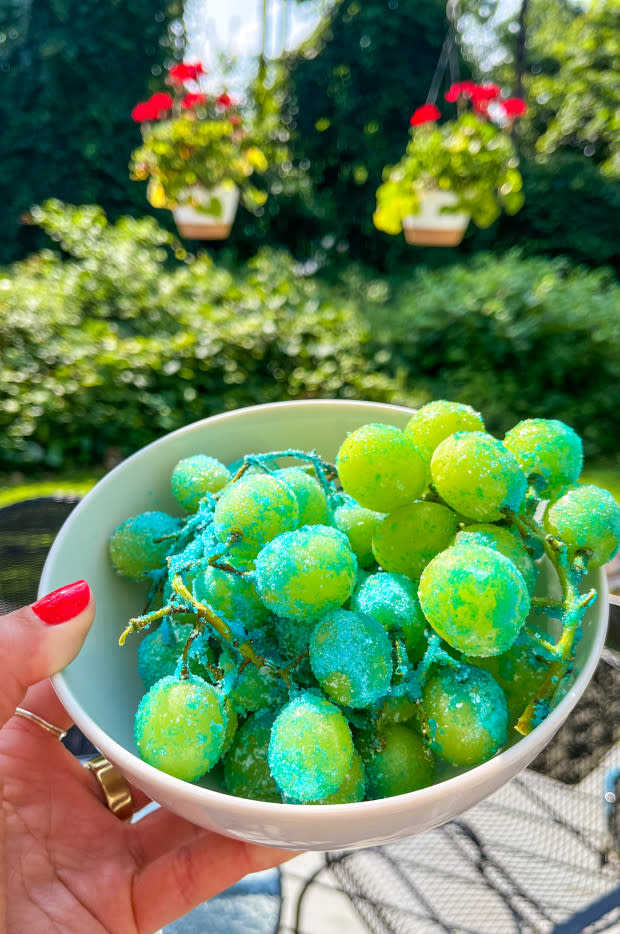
(63, 604)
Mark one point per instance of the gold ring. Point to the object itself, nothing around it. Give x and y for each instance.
(114, 786)
(34, 718)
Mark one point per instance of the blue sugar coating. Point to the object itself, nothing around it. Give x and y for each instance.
(306, 573)
(259, 506)
(351, 657)
(195, 476)
(549, 449)
(392, 599)
(311, 748)
(135, 548)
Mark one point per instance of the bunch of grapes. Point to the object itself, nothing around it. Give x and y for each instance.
(336, 633)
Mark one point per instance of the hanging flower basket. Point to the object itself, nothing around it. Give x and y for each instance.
(432, 226)
(195, 224)
(468, 163)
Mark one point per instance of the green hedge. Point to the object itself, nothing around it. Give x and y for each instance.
(123, 337)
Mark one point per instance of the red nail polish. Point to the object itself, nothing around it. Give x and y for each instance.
(63, 604)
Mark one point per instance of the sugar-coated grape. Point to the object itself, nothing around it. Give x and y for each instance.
(548, 449)
(246, 769)
(311, 748)
(180, 727)
(195, 476)
(520, 671)
(305, 573)
(466, 714)
(474, 598)
(140, 544)
(232, 596)
(158, 656)
(353, 787)
(478, 476)
(254, 688)
(293, 639)
(392, 599)
(359, 525)
(396, 763)
(380, 468)
(507, 543)
(405, 540)
(351, 658)
(259, 506)
(438, 420)
(586, 518)
(397, 708)
(311, 499)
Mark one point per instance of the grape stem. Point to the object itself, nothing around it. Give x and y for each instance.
(324, 470)
(571, 609)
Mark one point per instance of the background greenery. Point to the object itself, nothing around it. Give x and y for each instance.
(113, 332)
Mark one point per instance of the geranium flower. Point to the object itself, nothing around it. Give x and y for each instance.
(182, 73)
(514, 107)
(466, 88)
(190, 100)
(153, 108)
(224, 101)
(428, 113)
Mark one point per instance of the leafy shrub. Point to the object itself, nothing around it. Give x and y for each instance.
(123, 338)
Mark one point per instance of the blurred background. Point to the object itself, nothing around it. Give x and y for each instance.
(115, 330)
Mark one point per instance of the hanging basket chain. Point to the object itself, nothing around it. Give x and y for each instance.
(448, 57)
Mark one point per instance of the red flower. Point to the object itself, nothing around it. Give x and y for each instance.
(190, 100)
(153, 108)
(485, 92)
(514, 107)
(224, 101)
(182, 73)
(468, 88)
(425, 114)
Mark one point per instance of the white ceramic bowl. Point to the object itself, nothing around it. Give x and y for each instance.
(101, 688)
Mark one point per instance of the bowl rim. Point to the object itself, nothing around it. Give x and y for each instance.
(506, 761)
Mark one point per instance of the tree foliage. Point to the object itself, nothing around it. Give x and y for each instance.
(71, 72)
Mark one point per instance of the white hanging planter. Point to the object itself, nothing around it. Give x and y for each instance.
(430, 227)
(196, 225)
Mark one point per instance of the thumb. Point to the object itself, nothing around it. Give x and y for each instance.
(41, 639)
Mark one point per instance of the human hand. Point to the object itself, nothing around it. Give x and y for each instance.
(67, 863)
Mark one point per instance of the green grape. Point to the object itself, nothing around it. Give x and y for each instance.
(548, 449)
(311, 499)
(306, 573)
(478, 476)
(254, 688)
(406, 539)
(396, 762)
(232, 724)
(380, 468)
(508, 543)
(260, 507)
(231, 596)
(351, 657)
(474, 598)
(140, 544)
(520, 671)
(435, 421)
(353, 787)
(397, 708)
(246, 769)
(195, 476)
(311, 748)
(466, 714)
(293, 638)
(359, 525)
(158, 655)
(586, 518)
(392, 599)
(180, 727)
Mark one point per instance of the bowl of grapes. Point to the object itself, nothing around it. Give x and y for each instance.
(331, 624)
